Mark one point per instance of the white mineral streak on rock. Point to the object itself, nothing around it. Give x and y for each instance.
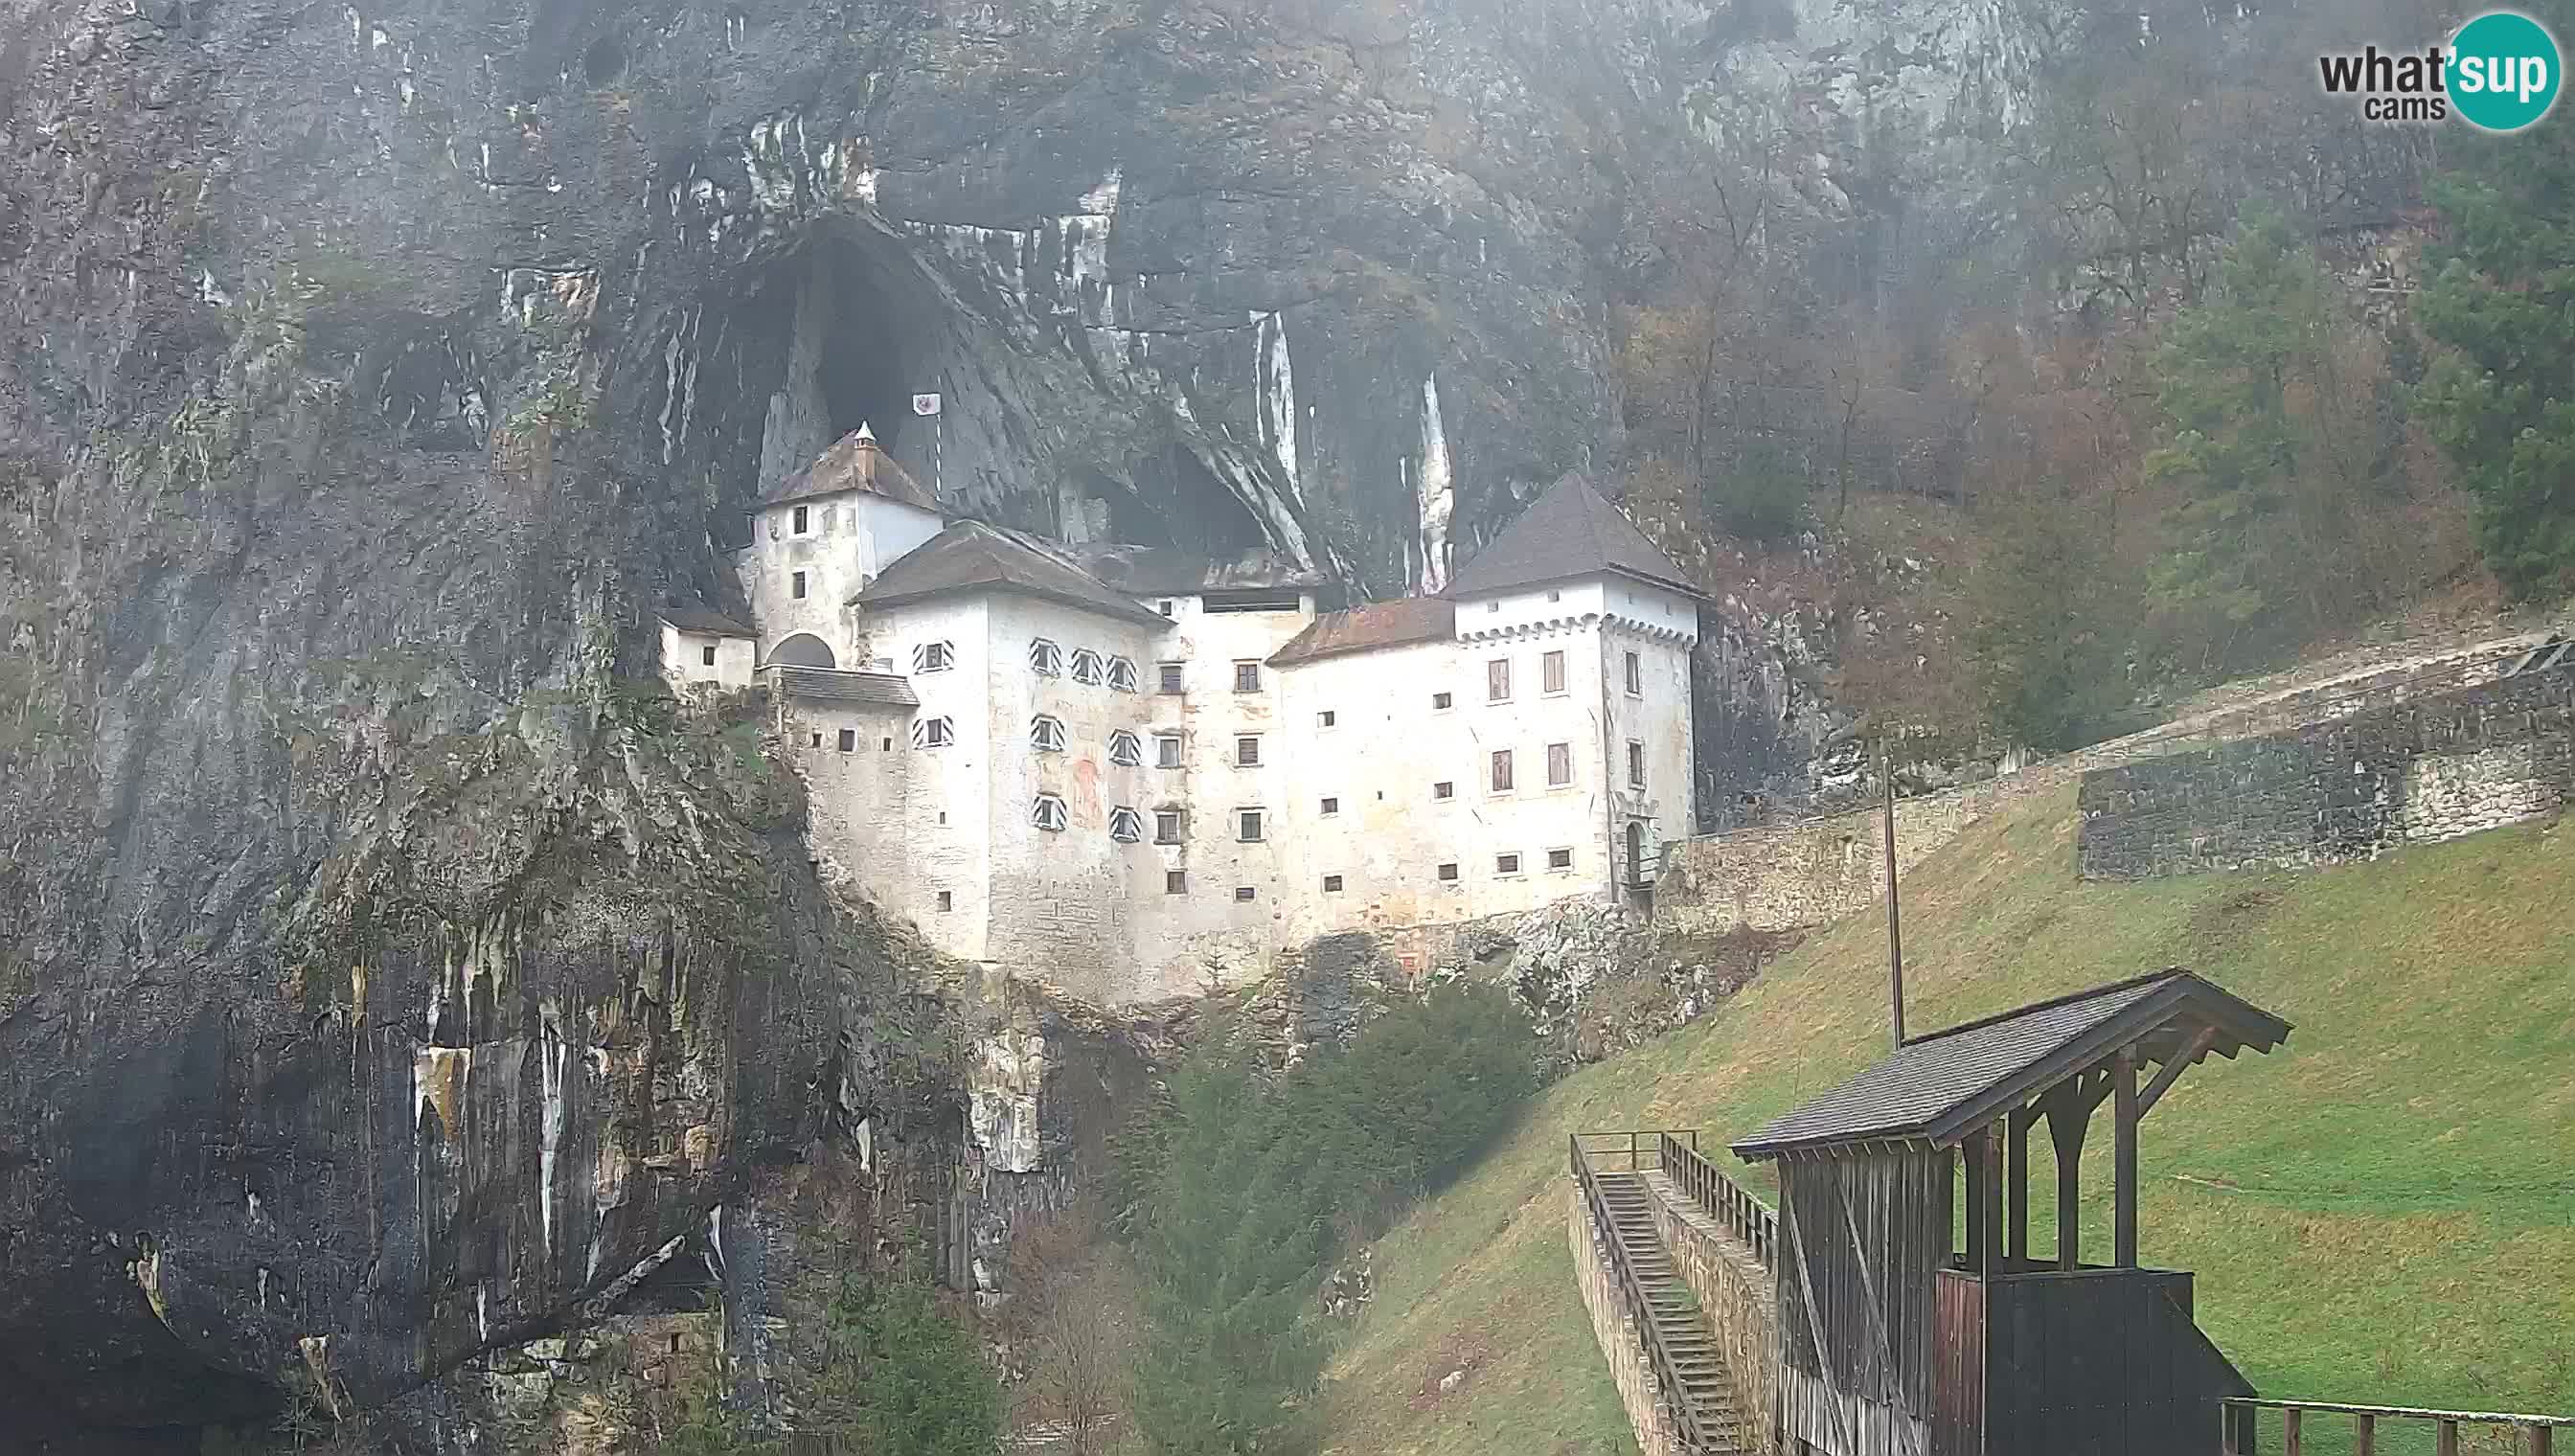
(1001, 1089)
(553, 1058)
(1437, 493)
(1277, 388)
(1085, 252)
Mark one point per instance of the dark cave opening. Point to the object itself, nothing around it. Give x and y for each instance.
(1178, 502)
(868, 363)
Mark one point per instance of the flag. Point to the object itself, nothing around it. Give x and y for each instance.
(925, 404)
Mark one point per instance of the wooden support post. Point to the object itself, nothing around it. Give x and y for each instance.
(2290, 1439)
(2068, 1120)
(1989, 1203)
(2016, 1183)
(2367, 1445)
(1971, 1161)
(2447, 1442)
(2539, 1439)
(2124, 1072)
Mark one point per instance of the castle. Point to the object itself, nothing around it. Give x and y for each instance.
(1132, 772)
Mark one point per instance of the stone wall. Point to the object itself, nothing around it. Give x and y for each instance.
(2419, 772)
(1621, 1345)
(1739, 1298)
(1801, 876)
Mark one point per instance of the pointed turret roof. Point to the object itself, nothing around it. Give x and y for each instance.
(1571, 530)
(854, 462)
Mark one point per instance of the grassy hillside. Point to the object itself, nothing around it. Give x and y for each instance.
(2383, 1211)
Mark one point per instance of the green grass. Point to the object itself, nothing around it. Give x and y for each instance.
(2384, 1210)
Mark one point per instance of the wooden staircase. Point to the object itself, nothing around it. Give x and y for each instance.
(1678, 1325)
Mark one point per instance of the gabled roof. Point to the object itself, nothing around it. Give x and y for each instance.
(973, 556)
(1941, 1087)
(1571, 530)
(1163, 571)
(1399, 622)
(854, 462)
(699, 619)
(873, 690)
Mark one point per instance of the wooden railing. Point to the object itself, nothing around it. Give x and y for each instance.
(2537, 1434)
(1632, 1292)
(1724, 1199)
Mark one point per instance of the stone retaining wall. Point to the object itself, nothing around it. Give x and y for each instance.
(2417, 772)
(1620, 1342)
(1739, 1298)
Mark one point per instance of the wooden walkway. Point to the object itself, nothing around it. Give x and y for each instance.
(1678, 1325)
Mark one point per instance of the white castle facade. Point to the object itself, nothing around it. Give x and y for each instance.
(1133, 774)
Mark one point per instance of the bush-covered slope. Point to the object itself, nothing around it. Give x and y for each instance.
(2384, 1210)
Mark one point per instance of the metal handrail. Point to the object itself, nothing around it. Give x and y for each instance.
(1633, 1291)
(2537, 1431)
(1731, 1204)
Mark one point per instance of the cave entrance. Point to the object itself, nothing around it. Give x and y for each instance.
(863, 337)
(1178, 502)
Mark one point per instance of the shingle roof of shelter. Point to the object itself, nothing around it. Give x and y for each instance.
(1399, 622)
(854, 462)
(1571, 530)
(700, 618)
(1163, 571)
(877, 689)
(1940, 1087)
(971, 556)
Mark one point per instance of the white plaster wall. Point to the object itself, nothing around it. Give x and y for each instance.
(945, 807)
(683, 660)
(1508, 610)
(1533, 817)
(1659, 718)
(868, 820)
(849, 541)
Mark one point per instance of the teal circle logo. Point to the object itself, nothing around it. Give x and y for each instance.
(2503, 71)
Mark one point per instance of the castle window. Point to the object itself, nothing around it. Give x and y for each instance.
(1507, 864)
(1554, 596)
(795, 584)
(1248, 825)
(1331, 806)
(1560, 764)
(1449, 871)
(1246, 676)
(1176, 881)
(1243, 891)
(803, 522)
(1175, 678)
(1167, 751)
(1502, 770)
(934, 656)
(706, 655)
(1332, 884)
(947, 901)
(1635, 677)
(1163, 606)
(1125, 826)
(1550, 672)
(1326, 719)
(849, 740)
(1247, 751)
(1125, 750)
(1046, 658)
(1559, 859)
(1635, 764)
(1086, 667)
(1497, 681)
(1045, 735)
(1443, 789)
(1167, 826)
(934, 732)
(1122, 674)
(1048, 813)
(1441, 701)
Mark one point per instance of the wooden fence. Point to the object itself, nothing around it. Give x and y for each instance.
(1751, 1220)
(2536, 1434)
(1632, 1291)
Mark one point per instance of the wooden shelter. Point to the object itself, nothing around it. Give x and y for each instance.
(1898, 1336)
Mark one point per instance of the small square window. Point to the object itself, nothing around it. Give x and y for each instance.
(1326, 719)
(803, 522)
(1163, 606)
(1249, 825)
(1635, 677)
(818, 741)
(1492, 607)
(1243, 891)
(1247, 751)
(1331, 806)
(1048, 813)
(1497, 681)
(795, 584)
(1125, 750)
(886, 745)
(1440, 702)
(1176, 881)
(849, 740)
(1555, 596)
(1635, 764)
(1167, 751)
(1125, 826)
(934, 732)
(1122, 674)
(1046, 658)
(1086, 667)
(1502, 770)
(1559, 859)
(947, 901)
(1246, 676)
(1175, 676)
(707, 655)
(1560, 764)
(1443, 789)
(1507, 864)
(1167, 826)
(933, 657)
(1448, 870)
(1046, 734)
(1550, 672)
(1332, 884)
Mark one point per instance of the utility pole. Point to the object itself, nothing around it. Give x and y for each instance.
(1894, 924)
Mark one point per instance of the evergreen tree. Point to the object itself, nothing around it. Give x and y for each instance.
(2050, 628)
(2501, 400)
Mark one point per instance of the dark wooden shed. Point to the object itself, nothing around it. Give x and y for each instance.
(1904, 1334)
